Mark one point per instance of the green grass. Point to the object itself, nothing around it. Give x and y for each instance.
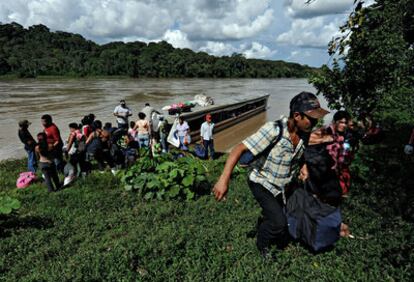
(96, 231)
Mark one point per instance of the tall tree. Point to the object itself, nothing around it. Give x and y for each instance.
(373, 64)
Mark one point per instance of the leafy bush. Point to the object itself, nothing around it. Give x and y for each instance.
(165, 178)
(8, 204)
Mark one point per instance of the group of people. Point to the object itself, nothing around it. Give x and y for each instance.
(288, 154)
(46, 152)
(113, 147)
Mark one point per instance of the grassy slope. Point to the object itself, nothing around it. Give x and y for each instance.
(96, 231)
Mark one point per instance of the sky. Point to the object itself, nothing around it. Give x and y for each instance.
(288, 30)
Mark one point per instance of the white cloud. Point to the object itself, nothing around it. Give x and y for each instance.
(177, 38)
(116, 18)
(259, 51)
(299, 8)
(223, 20)
(219, 48)
(299, 54)
(237, 31)
(253, 50)
(199, 19)
(220, 27)
(310, 33)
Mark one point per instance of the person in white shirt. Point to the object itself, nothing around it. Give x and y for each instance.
(183, 133)
(206, 136)
(148, 111)
(122, 112)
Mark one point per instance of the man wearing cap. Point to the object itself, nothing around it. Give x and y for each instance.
(29, 144)
(122, 112)
(273, 172)
(206, 136)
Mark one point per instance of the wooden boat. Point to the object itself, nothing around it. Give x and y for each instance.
(223, 116)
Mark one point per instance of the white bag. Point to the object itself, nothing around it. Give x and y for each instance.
(172, 137)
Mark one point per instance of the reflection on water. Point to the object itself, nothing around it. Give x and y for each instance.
(67, 100)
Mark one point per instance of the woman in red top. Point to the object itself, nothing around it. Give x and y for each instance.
(86, 126)
(53, 138)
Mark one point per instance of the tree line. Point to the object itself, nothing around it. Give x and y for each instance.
(38, 51)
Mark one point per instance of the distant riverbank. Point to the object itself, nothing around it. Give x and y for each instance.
(34, 51)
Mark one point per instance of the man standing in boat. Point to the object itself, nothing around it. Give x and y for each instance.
(206, 136)
(278, 148)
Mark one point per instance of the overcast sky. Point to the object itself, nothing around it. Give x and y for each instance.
(287, 30)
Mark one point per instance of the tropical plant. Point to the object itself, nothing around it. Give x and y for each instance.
(164, 177)
(8, 204)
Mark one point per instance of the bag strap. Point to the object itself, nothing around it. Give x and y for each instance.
(269, 148)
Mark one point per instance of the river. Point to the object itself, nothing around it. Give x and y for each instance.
(68, 100)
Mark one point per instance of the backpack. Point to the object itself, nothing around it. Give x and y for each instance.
(323, 180)
(199, 150)
(81, 144)
(95, 145)
(247, 158)
(78, 145)
(311, 221)
(25, 179)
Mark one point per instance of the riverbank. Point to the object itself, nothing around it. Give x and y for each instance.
(5, 77)
(68, 100)
(95, 230)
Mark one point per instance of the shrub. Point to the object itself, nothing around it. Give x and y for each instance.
(164, 177)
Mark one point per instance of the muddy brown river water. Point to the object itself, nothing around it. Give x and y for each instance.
(67, 100)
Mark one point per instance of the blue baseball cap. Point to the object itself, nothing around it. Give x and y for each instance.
(307, 103)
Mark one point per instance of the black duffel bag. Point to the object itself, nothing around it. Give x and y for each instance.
(311, 221)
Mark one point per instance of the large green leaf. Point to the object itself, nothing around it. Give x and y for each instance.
(188, 181)
(166, 166)
(173, 173)
(128, 187)
(5, 210)
(153, 183)
(149, 196)
(160, 194)
(200, 178)
(189, 194)
(174, 191)
(8, 204)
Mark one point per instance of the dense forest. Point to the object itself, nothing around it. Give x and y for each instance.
(373, 72)
(38, 51)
